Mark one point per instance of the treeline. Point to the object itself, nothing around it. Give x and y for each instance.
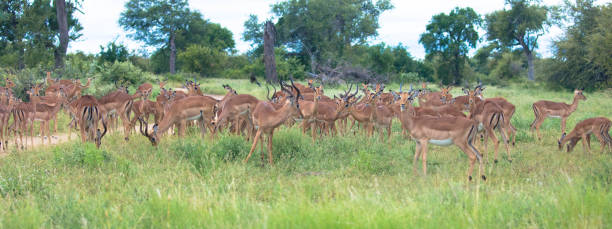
(316, 37)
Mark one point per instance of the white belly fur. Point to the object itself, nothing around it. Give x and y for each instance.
(480, 126)
(194, 117)
(554, 116)
(442, 142)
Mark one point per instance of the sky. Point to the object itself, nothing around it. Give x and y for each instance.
(403, 24)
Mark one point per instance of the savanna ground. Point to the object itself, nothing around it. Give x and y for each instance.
(345, 182)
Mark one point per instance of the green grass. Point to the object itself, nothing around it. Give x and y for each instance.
(340, 182)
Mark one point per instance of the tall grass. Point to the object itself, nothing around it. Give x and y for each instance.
(350, 181)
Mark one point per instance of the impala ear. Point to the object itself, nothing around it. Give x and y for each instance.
(155, 128)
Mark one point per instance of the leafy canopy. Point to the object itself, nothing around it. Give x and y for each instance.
(450, 37)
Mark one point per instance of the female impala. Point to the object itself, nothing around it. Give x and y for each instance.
(443, 131)
(266, 118)
(599, 127)
(544, 109)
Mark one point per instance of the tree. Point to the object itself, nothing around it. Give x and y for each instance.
(113, 52)
(269, 60)
(33, 26)
(316, 28)
(583, 55)
(62, 24)
(449, 37)
(521, 25)
(157, 22)
(199, 32)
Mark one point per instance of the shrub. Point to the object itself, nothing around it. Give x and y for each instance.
(81, 154)
(230, 147)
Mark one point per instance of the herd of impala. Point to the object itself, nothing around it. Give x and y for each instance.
(440, 118)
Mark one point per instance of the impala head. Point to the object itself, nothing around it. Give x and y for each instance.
(229, 89)
(162, 84)
(310, 84)
(579, 95)
(9, 83)
(100, 135)
(471, 96)
(365, 89)
(293, 99)
(561, 142)
(479, 89)
(144, 129)
(445, 91)
(318, 92)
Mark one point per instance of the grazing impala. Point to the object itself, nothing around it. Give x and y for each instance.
(266, 119)
(89, 114)
(544, 109)
(599, 127)
(443, 131)
(185, 109)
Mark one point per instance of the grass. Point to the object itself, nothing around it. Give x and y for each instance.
(341, 182)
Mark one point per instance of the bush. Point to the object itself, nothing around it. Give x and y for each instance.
(408, 77)
(81, 154)
(203, 60)
(230, 148)
(124, 72)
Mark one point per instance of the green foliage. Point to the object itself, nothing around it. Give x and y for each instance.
(30, 31)
(507, 67)
(202, 59)
(81, 154)
(122, 72)
(338, 25)
(583, 54)
(230, 148)
(113, 52)
(521, 25)
(449, 38)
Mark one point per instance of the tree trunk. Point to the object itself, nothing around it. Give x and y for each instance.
(172, 55)
(269, 60)
(530, 75)
(62, 23)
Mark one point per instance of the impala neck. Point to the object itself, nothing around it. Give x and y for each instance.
(574, 104)
(283, 114)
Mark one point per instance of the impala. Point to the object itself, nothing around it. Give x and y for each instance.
(430, 99)
(89, 114)
(185, 109)
(599, 127)
(544, 109)
(46, 112)
(235, 109)
(266, 119)
(489, 116)
(120, 103)
(443, 131)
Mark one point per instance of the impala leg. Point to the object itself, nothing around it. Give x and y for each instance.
(505, 139)
(261, 150)
(313, 130)
(491, 134)
(602, 140)
(270, 159)
(424, 156)
(417, 153)
(563, 121)
(253, 146)
(55, 124)
(469, 151)
(585, 144)
(537, 127)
